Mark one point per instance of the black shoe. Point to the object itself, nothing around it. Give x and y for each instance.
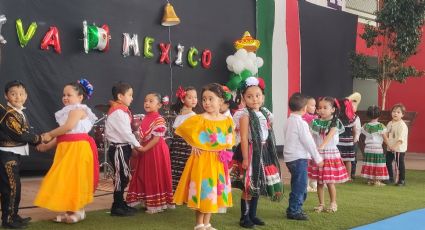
(253, 212)
(257, 221)
(14, 225)
(20, 219)
(390, 181)
(130, 209)
(401, 183)
(298, 216)
(246, 222)
(121, 211)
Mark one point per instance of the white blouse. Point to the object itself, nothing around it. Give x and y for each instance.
(181, 118)
(84, 125)
(263, 122)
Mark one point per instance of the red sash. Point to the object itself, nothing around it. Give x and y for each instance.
(84, 137)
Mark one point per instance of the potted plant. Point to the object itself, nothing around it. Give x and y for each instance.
(396, 37)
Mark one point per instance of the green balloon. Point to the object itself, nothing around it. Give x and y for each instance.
(234, 82)
(190, 57)
(245, 74)
(24, 38)
(147, 47)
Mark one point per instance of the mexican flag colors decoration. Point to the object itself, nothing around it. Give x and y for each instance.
(96, 37)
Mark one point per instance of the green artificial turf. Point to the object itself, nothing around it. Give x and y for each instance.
(358, 204)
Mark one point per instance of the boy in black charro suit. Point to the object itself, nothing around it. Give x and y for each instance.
(14, 139)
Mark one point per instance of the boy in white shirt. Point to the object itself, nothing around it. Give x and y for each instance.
(299, 147)
(122, 140)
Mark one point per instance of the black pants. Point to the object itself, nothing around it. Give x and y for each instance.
(390, 157)
(120, 163)
(10, 185)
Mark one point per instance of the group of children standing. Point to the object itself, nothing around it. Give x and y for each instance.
(205, 158)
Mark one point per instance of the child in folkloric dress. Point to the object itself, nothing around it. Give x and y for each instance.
(308, 117)
(151, 182)
(118, 132)
(374, 167)
(346, 139)
(72, 179)
(187, 100)
(205, 184)
(326, 132)
(258, 161)
(15, 135)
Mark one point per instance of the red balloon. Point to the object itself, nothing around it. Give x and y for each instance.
(165, 48)
(206, 58)
(51, 39)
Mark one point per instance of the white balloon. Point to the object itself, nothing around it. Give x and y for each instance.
(238, 67)
(2, 21)
(260, 62)
(252, 56)
(230, 68)
(179, 60)
(129, 43)
(251, 67)
(242, 53)
(230, 59)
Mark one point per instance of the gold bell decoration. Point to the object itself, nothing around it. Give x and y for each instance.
(170, 18)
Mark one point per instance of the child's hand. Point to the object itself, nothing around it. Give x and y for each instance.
(42, 147)
(46, 138)
(245, 163)
(320, 164)
(134, 153)
(140, 149)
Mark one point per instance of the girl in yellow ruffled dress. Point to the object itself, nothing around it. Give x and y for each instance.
(70, 183)
(205, 185)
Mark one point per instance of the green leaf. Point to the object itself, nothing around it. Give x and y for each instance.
(224, 195)
(195, 199)
(211, 182)
(218, 130)
(215, 144)
(230, 130)
(209, 130)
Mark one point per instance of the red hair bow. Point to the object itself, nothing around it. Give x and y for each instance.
(337, 103)
(261, 83)
(181, 93)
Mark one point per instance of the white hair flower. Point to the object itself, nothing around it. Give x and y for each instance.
(251, 81)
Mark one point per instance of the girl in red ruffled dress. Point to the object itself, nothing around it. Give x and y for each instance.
(151, 181)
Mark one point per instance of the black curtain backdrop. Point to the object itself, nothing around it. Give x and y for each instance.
(327, 38)
(204, 24)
